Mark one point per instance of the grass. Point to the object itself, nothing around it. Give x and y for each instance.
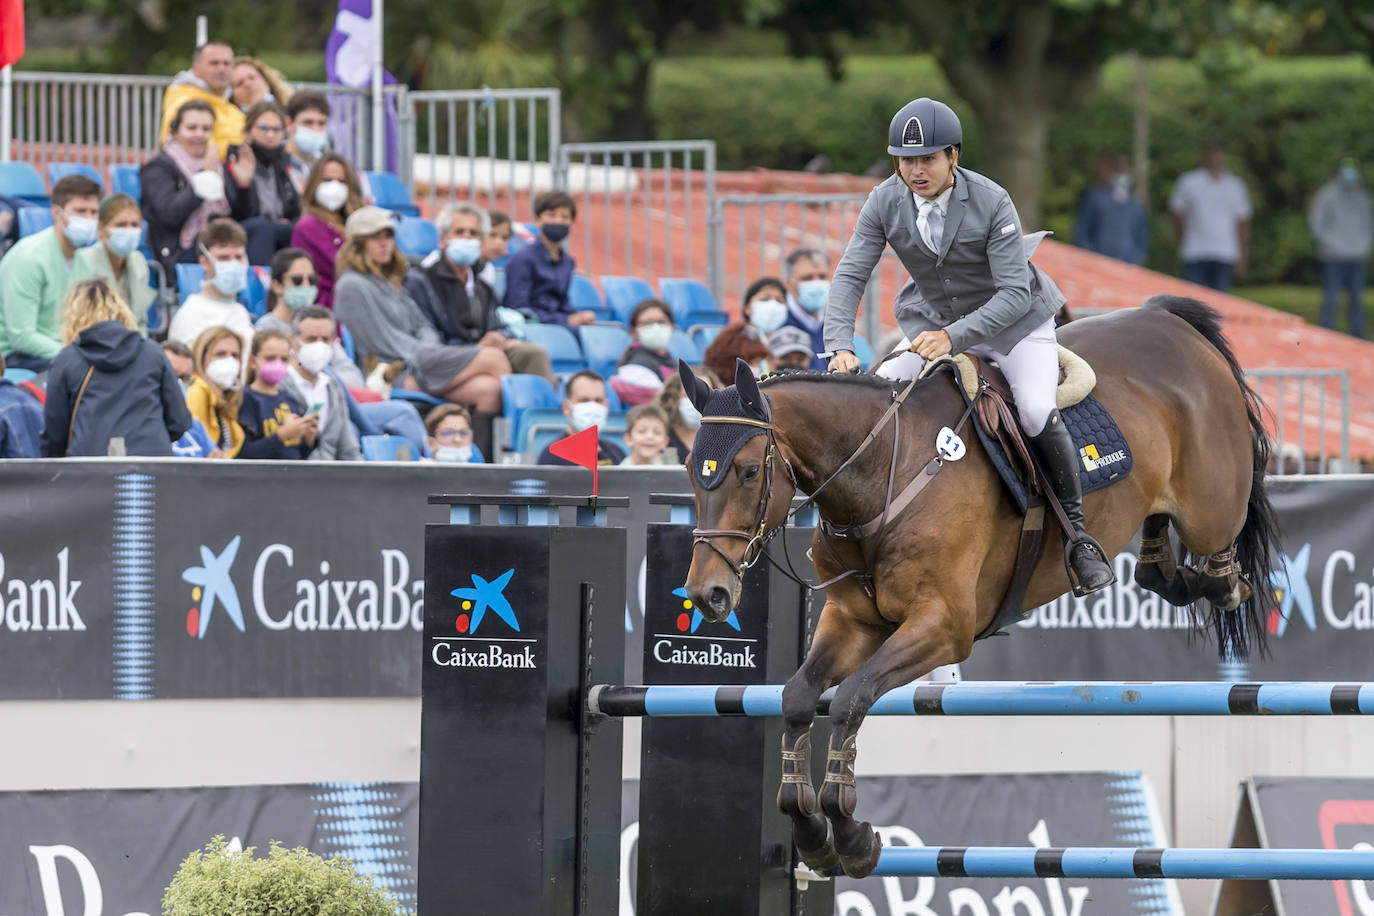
(1304, 301)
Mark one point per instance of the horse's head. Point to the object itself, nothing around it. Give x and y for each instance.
(743, 487)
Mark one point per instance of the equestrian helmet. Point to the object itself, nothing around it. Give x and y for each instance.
(922, 127)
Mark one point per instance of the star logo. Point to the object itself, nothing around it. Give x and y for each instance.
(1291, 588)
(690, 623)
(482, 597)
(212, 583)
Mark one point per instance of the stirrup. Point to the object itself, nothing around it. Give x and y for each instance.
(1086, 540)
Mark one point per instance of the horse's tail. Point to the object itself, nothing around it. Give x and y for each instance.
(1258, 541)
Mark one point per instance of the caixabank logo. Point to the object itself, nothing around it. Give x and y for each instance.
(1343, 600)
(713, 649)
(500, 644)
(281, 599)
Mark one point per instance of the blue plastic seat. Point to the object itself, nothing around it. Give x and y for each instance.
(19, 179)
(623, 294)
(387, 448)
(564, 351)
(538, 427)
(390, 193)
(863, 350)
(59, 170)
(33, 219)
(702, 335)
(16, 375)
(346, 340)
(421, 400)
(692, 302)
(416, 237)
(683, 346)
(583, 296)
(520, 393)
(190, 278)
(602, 346)
(124, 179)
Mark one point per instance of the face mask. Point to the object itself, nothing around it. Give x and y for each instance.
(586, 414)
(266, 154)
(272, 371)
(811, 295)
(298, 297)
(208, 185)
(1350, 174)
(224, 372)
(656, 336)
(768, 315)
(555, 232)
(513, 321)
(315, 355)
(689, 413)
(463, 251)
(331, 195)
(310, 142)
(230, 277)
(123, 241)
(458, 455)
(81, 230)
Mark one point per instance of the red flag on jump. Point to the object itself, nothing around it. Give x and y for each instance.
(11, 31)
(579, 448)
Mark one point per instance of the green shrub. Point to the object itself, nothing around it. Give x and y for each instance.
(217, 881)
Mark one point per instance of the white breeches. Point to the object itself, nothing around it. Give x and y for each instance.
(1031, 368)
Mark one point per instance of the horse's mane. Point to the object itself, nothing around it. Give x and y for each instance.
(876, 382)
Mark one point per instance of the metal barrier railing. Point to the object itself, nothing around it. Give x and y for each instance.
(656, 196)
(1306, 407)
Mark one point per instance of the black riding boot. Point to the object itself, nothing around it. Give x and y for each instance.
(1088, 568)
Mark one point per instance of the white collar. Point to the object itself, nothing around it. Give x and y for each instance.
(942, 201)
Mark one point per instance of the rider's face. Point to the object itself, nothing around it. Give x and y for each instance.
(928, 176)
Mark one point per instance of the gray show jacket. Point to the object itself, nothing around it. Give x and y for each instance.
(980, 288)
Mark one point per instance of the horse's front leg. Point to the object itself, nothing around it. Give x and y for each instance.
(929, 637)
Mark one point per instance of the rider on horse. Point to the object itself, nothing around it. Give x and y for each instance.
(972, 289)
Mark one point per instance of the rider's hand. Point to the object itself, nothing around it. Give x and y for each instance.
(843, 361)
(931, 344)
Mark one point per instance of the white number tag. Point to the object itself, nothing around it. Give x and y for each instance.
(949, 445)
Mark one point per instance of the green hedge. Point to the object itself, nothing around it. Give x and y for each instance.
(1285, 122)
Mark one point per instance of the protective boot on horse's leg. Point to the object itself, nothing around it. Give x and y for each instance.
(1157, 570)
(1088, 569)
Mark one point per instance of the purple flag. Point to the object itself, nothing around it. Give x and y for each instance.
(348, 62)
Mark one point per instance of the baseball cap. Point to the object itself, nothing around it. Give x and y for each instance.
(789, 340)
(366, 221)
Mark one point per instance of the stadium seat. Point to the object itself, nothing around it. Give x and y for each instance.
(863, 351)
(389, 193)
(16, 375)
(602, 346)
(623, 294)
(124, 179)
(537, 428)
(520, 393)
(702, 335)
(190, 278)
(346, 340)
(416, 237)
(683, 346)
(59, 170)
(564, 351)
(33, 219)
(521, 234)
(388, 448)
(423, 402)
(19, 179)
(692, 302)
(583, 296)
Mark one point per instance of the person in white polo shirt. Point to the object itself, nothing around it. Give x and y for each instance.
(1210, 208)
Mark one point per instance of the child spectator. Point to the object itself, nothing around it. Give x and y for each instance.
(538, 276)
(311, 383)
(274, 422)
(116, 259)
(196, 441)
(450, 435)
(109, 386)
(223, 256)
(585, 405)
(214, 395)
(491, 270)
(261, 184)
(21, 420)
(330, 196)
(646, 434)
(646, 362)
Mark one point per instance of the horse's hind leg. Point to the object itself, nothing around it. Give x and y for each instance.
(1157, 569)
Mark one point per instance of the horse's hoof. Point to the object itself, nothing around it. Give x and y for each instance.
(861, 857)
(820, 860)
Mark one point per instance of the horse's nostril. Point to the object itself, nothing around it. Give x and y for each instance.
(719, 600)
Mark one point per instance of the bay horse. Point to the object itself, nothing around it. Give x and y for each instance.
(915, 594)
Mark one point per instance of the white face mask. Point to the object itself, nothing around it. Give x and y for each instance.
(689, 413)
(656, 336)
(331, 195)
(586, 414)
(310, 141)
(314, 356)
(208, 185)
(457, 454)
(224, 372)
(812, 294)
(768, 314)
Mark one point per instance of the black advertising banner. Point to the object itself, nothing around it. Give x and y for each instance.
(115, 851)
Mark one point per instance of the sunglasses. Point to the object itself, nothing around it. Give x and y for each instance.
(300, 280)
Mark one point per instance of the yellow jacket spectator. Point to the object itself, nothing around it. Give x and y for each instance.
(207, 80)
(217, 389)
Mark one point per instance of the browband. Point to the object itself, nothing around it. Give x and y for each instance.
(741, 420)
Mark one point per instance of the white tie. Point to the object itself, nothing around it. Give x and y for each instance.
(935, 226)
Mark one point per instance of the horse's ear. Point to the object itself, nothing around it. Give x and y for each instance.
(747, 385)
(697, 391)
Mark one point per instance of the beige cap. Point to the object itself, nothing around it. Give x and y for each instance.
(366, 221)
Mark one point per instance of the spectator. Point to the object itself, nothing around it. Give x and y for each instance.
(214, 395)
(1343, 228)
(110, 391)
(207, 81)
(117, 260)
(222, 256)
(183, 188)
(765, 305)
(646, 362)
(251, 81)
(261, 184)
(538, 276)
(789, 348)
(495, 247)
(387, 324)
(36, 272)
(763, 311)
(683, 418)
(307, 121)
(585, 405)
(1210, 209)
(646, 435)
(275, 424)
(458, 303)
(806, 274)
(311, 383)
(450, 435)
(21, 420)
(330, 196)
(1111, 219)
(196, 441)
(293, 289)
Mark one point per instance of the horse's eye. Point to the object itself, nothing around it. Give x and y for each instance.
(751, 472)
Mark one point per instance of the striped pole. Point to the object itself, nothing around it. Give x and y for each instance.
(1010, 698)
(1112, 862)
